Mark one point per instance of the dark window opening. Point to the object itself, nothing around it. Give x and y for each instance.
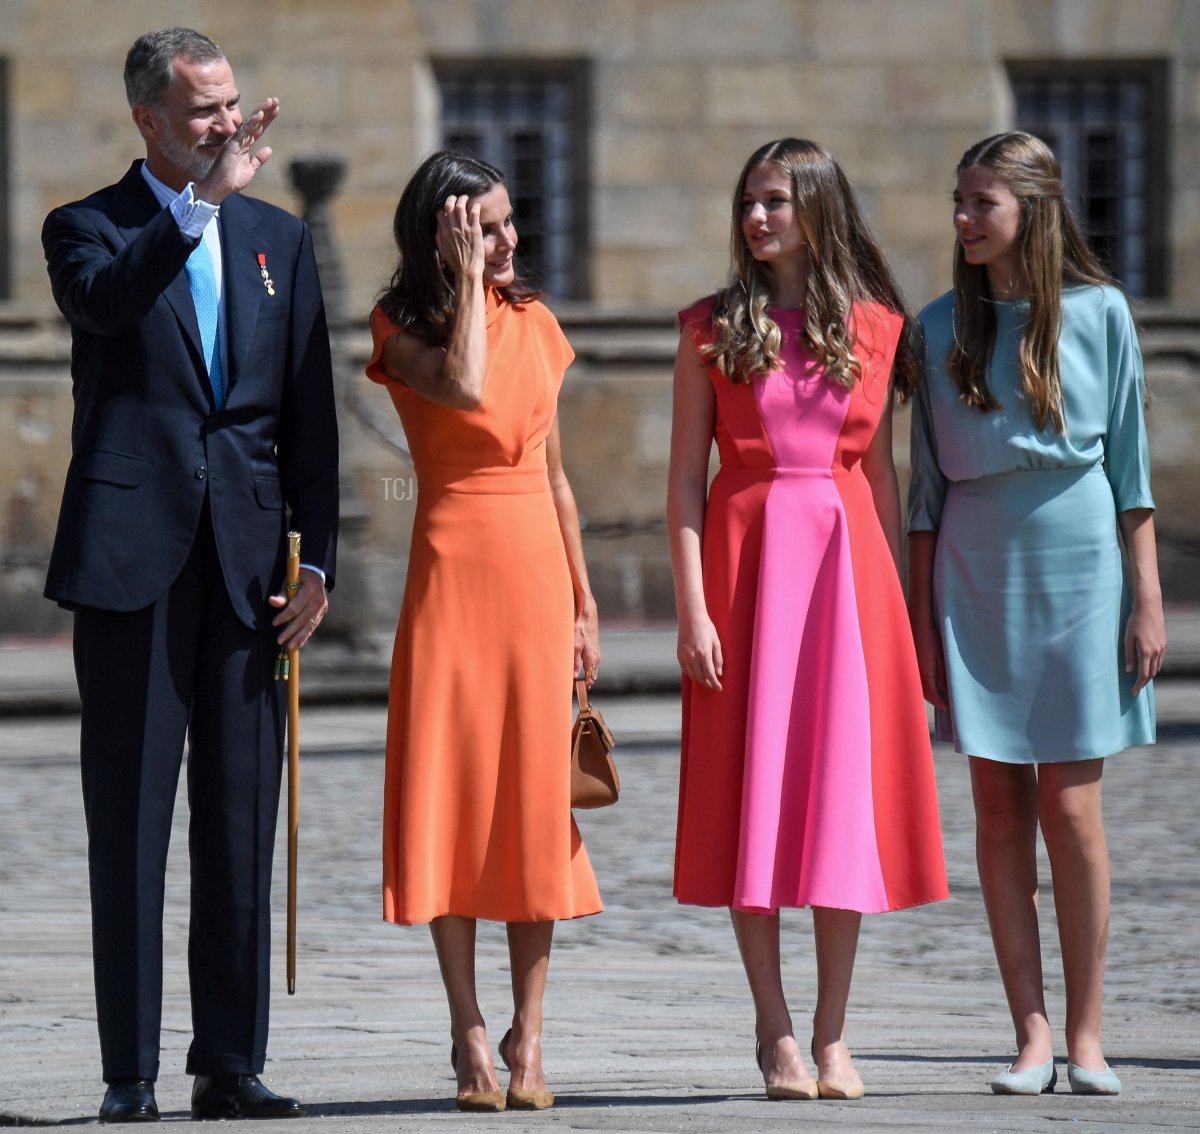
(1106, 121)
(530, 120)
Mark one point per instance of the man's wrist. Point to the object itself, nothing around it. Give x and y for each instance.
(192, 213)
(209, 195)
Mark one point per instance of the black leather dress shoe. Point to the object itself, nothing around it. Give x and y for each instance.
(129, 1100)
(239, 1096)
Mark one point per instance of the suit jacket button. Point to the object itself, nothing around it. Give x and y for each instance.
(201, 472)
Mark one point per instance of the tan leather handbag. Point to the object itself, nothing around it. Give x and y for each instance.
(594, 780)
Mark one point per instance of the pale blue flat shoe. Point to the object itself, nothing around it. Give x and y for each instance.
(1038, 1080)
(1084, 1082)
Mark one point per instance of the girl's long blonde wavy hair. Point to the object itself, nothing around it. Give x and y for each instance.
(1049, 249)
(845, 266)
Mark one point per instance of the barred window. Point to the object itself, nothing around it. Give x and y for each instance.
(529, 120)
(1106, 123)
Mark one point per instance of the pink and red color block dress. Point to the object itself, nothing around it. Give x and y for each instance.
(808, 780)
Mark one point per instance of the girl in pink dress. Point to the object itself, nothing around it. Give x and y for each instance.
(806, 776)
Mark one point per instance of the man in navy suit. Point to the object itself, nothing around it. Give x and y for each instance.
(203, 430)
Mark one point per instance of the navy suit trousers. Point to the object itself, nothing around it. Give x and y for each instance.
(185, 667)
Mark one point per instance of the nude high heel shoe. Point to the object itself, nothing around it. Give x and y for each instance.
(521, 1099)
(836, 1088)
(481, 1100)
(800, 1089)
(518, 1097)
(478, 1100)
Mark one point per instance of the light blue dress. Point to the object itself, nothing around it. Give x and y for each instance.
(1030, 590)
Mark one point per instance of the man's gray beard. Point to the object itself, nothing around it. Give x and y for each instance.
(195, 161)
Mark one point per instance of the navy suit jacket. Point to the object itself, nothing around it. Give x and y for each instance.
(147, 441)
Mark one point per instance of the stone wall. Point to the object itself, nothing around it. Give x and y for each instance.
(615, 418)
(615, 413)
(682, 91)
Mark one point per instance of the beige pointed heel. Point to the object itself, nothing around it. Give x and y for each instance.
(836, 1088)
(521, 1099)
(481, 1101)
(801, 1089)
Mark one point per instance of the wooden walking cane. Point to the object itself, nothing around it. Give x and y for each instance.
(288, 667)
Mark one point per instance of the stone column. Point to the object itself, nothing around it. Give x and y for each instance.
(316, 179)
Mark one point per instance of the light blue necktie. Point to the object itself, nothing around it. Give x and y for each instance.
(204, 295)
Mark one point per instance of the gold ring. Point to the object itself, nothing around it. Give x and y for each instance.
(312, 622)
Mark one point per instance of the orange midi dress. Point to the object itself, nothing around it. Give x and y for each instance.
(477, 817)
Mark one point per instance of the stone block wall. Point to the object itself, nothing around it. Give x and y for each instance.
(615, 418)
(681, 92)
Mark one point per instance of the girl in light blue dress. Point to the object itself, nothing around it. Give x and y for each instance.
(1036, 646)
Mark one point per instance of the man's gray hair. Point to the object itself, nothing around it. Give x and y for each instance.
(149, 62)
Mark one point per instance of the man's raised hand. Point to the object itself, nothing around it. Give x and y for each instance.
(238, 160)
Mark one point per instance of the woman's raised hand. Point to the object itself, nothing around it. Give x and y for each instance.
(460, 237)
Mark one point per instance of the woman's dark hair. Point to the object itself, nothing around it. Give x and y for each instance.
(420, 297)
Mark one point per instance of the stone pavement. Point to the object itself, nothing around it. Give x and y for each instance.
(648, 1025)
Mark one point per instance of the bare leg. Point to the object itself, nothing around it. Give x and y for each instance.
(454, 940)
(1069, 806)
(529, 955)
(1006, 852)
(758, 940)
(836, 936)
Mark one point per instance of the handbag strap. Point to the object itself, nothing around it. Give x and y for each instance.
(589, 717)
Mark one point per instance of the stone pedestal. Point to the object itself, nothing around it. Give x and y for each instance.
(317, 179)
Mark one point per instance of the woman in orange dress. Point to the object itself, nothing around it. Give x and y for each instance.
(496, 619)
